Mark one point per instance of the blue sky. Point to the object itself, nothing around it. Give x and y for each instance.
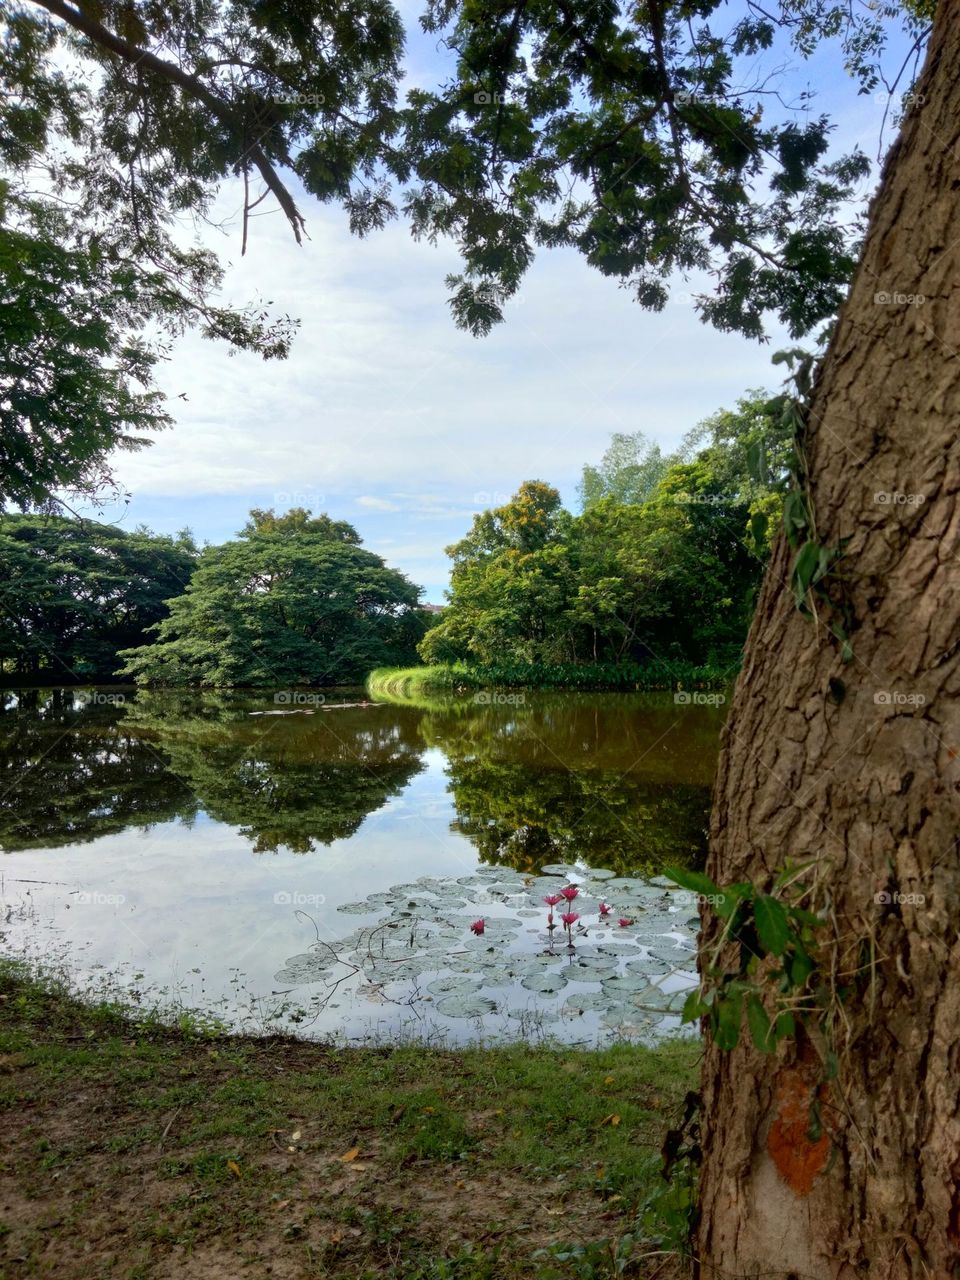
(388, 416)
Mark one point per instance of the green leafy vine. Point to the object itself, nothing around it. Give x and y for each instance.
(815, 579)
(776, 980)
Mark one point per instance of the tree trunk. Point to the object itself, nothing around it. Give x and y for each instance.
(864, 776)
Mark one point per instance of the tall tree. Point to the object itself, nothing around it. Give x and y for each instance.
(628, 471)
(838, 1154)
(293, 600)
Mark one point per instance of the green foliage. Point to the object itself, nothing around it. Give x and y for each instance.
(629, 471)
(770, 972)
(118, 123)
(648, 139)
(75, 592)
(661, 566)
(624, 676)
(816, 578)
(294, 600)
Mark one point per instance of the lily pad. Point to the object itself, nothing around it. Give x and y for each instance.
(585, 1002)
(534, 1016)
(466, 1005)
(453, 983)
(545, 984)
(624, 984)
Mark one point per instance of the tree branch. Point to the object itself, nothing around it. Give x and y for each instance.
(191, 85)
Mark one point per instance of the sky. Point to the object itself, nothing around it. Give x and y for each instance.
(386, 415)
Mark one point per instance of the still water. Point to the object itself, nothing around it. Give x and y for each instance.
(316, 866)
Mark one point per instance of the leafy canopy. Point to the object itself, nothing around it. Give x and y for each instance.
(119, 122)
(651, 137)
(662, 563)
(293, 600)
(74, 592)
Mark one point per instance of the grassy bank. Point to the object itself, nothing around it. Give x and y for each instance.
(412, 682)
(139, 1152)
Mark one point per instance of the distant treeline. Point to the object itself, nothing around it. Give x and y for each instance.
(292, 600)
(656, 575)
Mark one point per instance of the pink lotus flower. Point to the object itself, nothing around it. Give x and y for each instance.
(552, 899)
(604, 909)
(478, 926)
(624, 923)
(569, 892)
(569, 918)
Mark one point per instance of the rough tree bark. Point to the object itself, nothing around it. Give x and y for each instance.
(869, 785)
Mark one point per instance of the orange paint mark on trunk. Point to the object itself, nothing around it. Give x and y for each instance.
(798, 1158)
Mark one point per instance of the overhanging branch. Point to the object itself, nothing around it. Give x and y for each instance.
(191, 85)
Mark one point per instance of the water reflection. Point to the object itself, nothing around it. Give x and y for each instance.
(618, 781)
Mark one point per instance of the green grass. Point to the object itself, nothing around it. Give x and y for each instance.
(413, 684)
(361, 1163)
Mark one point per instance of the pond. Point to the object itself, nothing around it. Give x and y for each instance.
(361, 870)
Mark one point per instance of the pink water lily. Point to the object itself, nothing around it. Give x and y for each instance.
(624, 922)
(570, 918)
(553, 898)
(478, 926)
(604, 909)
(569, 892)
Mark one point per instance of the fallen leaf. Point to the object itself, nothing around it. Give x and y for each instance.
(295, 1136)
(349, 1155)
(234, 1168)
(608, 1080)
(613, 1119)
(283, 1204)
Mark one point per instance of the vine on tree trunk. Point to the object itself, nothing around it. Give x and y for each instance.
(777, 978)
(815, 578)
